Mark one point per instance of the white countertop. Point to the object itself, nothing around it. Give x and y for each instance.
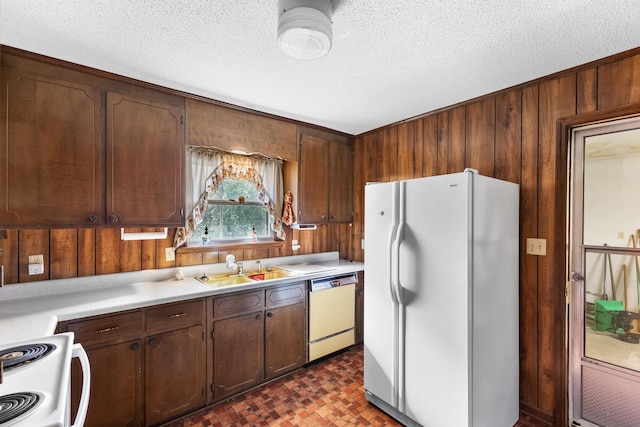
(30, 310)
(24, 327)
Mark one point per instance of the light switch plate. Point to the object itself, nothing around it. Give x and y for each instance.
(536, 246)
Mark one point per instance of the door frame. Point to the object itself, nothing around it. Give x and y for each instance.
(561, 266)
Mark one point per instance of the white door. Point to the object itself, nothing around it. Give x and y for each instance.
(380, 313)
(604, 267)
(434, 273)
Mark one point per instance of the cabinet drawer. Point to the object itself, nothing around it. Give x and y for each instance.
(286, 295)
(235, 304)
(111, 329)
(175, 316)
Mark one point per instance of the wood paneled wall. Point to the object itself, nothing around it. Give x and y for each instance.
(86, 252)
(512, 135)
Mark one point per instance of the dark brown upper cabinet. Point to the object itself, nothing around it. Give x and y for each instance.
(145, 145)
(51, 151)
(79, 150)
(325, 180)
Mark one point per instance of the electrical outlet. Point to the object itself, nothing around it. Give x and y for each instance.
(536, 246)
(169, 254)
(36, 259)
(620, 234)
(36, 269)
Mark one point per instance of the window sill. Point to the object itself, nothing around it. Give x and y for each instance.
(216, 247)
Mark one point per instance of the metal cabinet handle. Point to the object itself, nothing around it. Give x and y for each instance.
(174, 316)
(113, 218)
(259, 316)
(270, 314)
(152, 342)
(135, 346)
(324, 217)
(109, 329)
(93, 218)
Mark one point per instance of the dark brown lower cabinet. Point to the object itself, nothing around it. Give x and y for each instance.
(257, 335)
(285, 343)
(175, 373)
(148, 366)
(116, 385)
(238, 353)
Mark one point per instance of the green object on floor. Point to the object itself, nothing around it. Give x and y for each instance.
(603, 315)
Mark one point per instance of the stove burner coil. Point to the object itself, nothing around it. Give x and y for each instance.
(15, 405)
(22, 355)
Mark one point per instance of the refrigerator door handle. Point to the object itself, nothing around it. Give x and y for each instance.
(397, 297)
(400, 220)
(393, 235)
(392, 275)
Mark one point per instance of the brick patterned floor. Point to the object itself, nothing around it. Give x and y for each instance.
(329, 393)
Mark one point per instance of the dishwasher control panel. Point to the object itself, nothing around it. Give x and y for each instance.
(333, 281)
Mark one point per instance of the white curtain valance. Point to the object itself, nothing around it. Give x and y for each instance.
(207, 168)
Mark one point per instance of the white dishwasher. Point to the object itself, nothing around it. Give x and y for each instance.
(331, 314)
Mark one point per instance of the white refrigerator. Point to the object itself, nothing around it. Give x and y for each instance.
(441, 300)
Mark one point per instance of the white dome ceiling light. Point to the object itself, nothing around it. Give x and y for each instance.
(304, 28)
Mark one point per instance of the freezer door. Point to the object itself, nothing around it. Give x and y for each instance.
(434, 273)
(380, 350)
(495, 303)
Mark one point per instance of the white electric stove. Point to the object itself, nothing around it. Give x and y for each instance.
(35, 384)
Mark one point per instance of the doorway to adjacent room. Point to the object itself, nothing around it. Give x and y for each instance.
(604, 270)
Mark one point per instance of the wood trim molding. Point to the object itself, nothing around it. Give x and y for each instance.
(9, 50)
(213, 247)
(593, 64)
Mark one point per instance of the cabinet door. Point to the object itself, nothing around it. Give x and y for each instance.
(313, 186)
(175, 373)
(145, 144)
(340, 182)
(116, 385)
(51, 152)
(238, 353)
(285, 342)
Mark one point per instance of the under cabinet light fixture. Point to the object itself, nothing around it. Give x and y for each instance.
(148, 235)
(296, 226)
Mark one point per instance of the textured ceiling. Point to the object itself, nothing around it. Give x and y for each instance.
(390, 60)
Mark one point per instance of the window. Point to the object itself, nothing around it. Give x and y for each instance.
(227, 219)
(231, 194)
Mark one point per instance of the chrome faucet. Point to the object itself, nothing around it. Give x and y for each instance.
(259, 266)
(231, 263)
